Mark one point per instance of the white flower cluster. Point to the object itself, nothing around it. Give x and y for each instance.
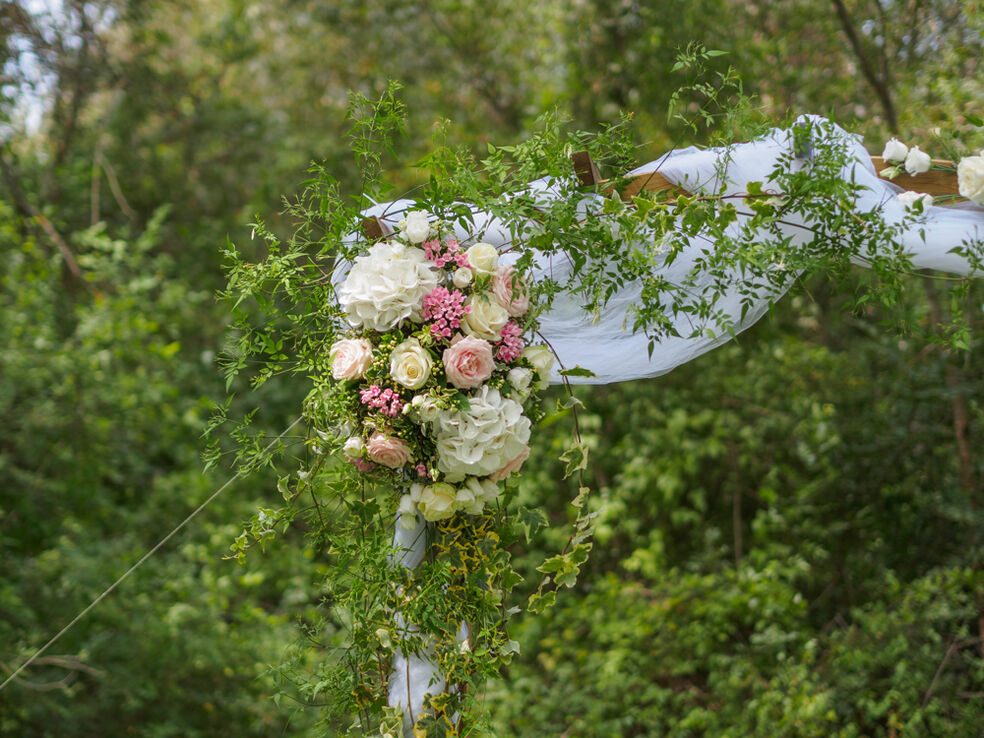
(437, 406)
(483, 439)
(386, 286)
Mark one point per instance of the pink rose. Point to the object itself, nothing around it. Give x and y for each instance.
(388, 451)
(350, 357)
(510, 291)
(468, 362)
(512, 467)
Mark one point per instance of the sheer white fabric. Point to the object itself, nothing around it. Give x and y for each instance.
(605, 343)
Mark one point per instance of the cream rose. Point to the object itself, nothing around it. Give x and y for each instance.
(468, 362)
(416, 226)
(895, 150)
(437, 501)
(485, 319)
(511, 467)
(970, 178)
(407, 512)
(410, 364)
(483, 257)
(917, 162)
(542, 360)
(510, 291)
(388, 451)
(350, 357)
(386, 286)
(353, 447)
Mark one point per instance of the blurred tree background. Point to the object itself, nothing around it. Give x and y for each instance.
(791, 540)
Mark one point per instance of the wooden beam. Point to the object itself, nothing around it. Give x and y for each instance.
(375, 229)
(587, 173)
(933, 182)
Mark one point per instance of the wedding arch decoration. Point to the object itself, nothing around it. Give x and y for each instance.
(428, 326)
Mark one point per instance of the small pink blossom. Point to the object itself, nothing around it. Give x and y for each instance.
(422, 471)
(362, 465)
(511, 345)
(444, 308)
(468, 362)
(388, 451)
(387, 401)
(445, 253)
(510, 291)
(512, 466)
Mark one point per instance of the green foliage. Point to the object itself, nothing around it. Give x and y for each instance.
(840, 440)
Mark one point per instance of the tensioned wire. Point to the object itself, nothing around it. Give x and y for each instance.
(143, 558)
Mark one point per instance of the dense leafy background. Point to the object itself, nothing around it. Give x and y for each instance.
(790, 538)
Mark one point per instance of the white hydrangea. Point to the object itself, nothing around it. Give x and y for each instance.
(386, 286)
(482, 439)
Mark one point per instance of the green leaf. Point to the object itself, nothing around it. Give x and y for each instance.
(532, 519)
(974, 120)
(577, 371)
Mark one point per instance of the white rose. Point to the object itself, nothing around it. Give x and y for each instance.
(485, 319)
(520, 377)
(408, 513)
(917, 162)
(437, 501)
(481, 440)
(909, 199)
(483, 489)
(970, 178)
(462, 277)
(386, 286)
(466, 502)
(410, 364)
(353, 447)
(483, 258)
(895, 150)
(416, 226)
(542, 359)
(426, 407)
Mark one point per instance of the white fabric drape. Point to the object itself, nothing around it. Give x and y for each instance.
(605, 343)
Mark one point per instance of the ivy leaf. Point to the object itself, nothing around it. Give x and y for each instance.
(532, 519)
(576, 459)
(541, 602)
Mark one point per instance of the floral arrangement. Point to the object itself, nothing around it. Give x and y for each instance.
(436, 375)
(913, 161)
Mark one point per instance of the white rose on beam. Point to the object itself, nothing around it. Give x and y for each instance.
(909, 199)
(917, 162)
(895, 150)
(542, 359)
(970, 178)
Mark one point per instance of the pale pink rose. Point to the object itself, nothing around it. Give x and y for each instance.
(510, 291)
(468, 362)
(512, 467)
(388, 451)
(350, 357)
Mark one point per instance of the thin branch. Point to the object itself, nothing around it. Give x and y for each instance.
(878, 84)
